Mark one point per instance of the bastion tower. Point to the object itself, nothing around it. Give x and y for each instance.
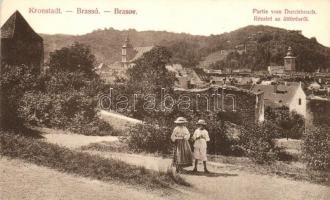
(289, 61)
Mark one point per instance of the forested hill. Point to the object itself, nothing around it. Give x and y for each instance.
(265, 46)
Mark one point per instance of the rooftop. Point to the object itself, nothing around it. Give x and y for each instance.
(278, 95)
(16, 24)
(140, 51)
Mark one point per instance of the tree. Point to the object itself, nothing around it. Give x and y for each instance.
(149, 76)
(69, 98)
(76, 58)
(150, 70)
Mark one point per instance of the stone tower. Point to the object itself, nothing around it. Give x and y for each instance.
(127, 52)
(289, 61)
(20, 44)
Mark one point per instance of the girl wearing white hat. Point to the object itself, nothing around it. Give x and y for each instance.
(182, 154)
(201, 136)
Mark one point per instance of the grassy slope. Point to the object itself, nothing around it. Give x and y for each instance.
(83, 164)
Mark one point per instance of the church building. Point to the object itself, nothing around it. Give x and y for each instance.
(117, 71)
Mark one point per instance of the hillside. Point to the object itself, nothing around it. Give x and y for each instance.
(265, 45)
(106, 44)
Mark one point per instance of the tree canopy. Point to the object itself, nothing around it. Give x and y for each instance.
(76, 58)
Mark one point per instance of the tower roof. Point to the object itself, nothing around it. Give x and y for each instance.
(127, 42)
(289, 54)
(16, 24)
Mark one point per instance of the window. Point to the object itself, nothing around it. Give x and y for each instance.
(299, 101)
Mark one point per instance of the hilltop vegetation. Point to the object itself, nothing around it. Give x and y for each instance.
(265, 46)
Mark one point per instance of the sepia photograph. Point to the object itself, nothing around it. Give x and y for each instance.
(165, 99)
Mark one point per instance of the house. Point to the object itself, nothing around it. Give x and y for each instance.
(214, 71)
(290, 95)
(20, 44)
(242, 71)
(314, 86)
(197, 78)
(189, 77)
(267, 82)
(220, 80)
(244, 80)
(111, 73)
(276, 70)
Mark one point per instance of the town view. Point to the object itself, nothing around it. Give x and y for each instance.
(131, 114)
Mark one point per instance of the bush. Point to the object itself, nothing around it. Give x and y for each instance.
(95, 127)
(316, 148)
(14, 82)
(257, 141)
(150, 138)
(70, 110)
(65, 97)
(220, 142)
(287, 124)
(218, 124)
(154, 136)
(84, 164)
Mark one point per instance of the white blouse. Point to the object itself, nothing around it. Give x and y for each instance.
(203, 136)
(180, 132)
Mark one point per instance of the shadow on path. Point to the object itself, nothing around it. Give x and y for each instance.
(211, 174)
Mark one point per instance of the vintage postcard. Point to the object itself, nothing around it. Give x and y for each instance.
(165, 99)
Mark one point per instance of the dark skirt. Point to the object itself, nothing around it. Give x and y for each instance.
(182, 154)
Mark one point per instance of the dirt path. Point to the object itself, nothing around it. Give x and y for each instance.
(73, 140)
(226, 181)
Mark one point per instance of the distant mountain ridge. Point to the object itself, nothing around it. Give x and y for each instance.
(264, 45)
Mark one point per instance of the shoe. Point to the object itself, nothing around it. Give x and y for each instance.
(195, 170)
(206, 171)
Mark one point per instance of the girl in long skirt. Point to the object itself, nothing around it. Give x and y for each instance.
(182, 152)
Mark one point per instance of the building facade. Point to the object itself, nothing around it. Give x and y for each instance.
(290, 95)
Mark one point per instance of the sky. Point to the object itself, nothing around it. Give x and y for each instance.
(198, 17)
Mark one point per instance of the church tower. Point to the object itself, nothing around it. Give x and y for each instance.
(127, 52)
(289, 61)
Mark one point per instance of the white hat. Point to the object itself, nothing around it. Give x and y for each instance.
(201, 122)
(180, 120)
